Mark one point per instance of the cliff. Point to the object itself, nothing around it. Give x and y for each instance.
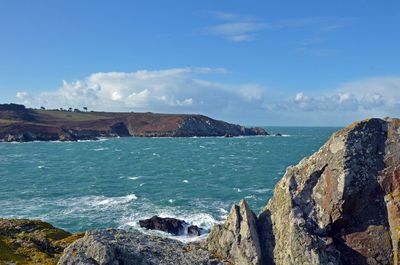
(339, 206)
(18, 123)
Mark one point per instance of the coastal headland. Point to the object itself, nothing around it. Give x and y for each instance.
(341, 205)
(21, 124)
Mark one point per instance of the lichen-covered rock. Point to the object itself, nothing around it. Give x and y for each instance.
(32, 242)
(341, 205)
(113, 246)
(237, 239)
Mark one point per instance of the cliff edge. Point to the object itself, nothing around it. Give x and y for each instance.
(339, 206)
(20, 124)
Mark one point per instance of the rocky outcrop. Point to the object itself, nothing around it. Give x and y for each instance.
(171, 225)
(199, 125)
(19, 124)
(238, 238)
(32, 242)
(340, 205)
(109, 247)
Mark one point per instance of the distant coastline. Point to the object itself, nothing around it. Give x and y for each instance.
(21, 124)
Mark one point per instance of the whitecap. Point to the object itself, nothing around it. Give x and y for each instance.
(262, 190)
(100, 149)
(202, 146)
(40, 167)
(110, 201)
(170, 200)
(141, 184)
(133, 178)
(185, 181)
(222, 210)
(237, 189)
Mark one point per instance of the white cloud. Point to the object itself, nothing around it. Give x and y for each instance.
(169, 90)
(237, 31)
(239, 28)
(372, 96)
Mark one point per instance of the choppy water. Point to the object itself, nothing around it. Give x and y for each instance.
(115, 182)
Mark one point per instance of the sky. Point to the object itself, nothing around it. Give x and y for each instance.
(296, 63)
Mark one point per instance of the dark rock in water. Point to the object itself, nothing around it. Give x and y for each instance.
(278, 134)
(194, 230)
(227, 135)
(171, 225)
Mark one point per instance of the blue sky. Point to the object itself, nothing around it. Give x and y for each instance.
(250, 62)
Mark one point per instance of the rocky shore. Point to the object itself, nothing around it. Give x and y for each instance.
(20, 124)
(341, 205)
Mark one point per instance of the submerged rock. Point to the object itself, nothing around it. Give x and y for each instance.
(237, 239)
(112, 246)
(342, 204)
(171, 225)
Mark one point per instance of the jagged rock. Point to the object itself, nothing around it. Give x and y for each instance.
(170, 225)
(114, 247)
(342, 204)
(237, 239)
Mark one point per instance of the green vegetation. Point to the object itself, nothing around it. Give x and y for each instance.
(73, 115)
(32, 242)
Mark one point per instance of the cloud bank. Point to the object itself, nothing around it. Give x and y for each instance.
(364, 95)
(170, 90)
(190, 90)
(371, 97)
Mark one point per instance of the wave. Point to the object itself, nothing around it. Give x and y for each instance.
(86, 203)
(203, 220)
(100, 149)
(262, 190)
(111, 201)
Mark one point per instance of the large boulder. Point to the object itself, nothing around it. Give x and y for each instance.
(114, 247)
(342, 204)
(237, 239)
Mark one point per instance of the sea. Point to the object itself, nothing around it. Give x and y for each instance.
(115, 182)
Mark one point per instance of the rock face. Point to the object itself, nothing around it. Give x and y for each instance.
(237, 239)
(341, 205)
(19, 124)
(114, 247)
(171, 225)
(32, 242)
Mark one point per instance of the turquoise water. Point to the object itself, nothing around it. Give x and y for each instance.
(115, 182)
